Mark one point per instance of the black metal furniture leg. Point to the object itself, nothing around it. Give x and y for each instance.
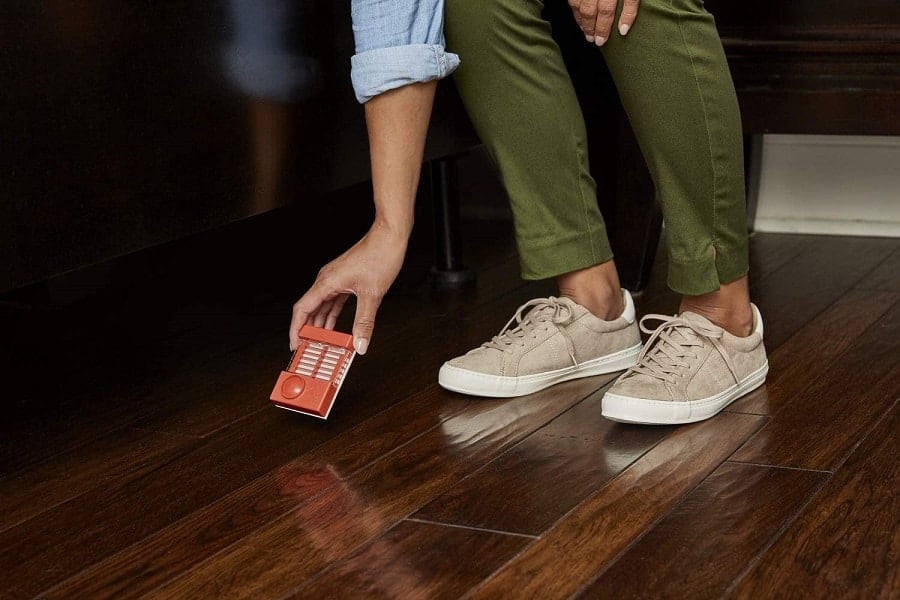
(448, 271)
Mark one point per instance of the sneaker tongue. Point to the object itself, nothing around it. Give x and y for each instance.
(547, 310)
(691, 317)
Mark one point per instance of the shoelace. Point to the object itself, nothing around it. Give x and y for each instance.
(671, 346)
(524, 324)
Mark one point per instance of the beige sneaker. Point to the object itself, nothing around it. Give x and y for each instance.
(688, 371)
(556, 340)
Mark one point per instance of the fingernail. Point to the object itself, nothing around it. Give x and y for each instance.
(623, 29)
(361, 346)
(600, 41)
(589, 38)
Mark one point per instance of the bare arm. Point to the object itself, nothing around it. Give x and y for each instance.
(397, 123)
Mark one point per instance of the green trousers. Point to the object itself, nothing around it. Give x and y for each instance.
(673, 80)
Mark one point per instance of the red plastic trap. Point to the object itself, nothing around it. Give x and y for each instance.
(317, 369)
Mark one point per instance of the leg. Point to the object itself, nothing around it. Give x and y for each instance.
(675, 85)
(521, 101)
(674, 81)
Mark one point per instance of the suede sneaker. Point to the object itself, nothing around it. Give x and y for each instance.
(548, 340)
(689, 370)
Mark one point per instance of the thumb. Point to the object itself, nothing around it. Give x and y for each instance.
(364, 322)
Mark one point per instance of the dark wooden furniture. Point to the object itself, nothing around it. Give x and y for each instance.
(125, 127)
(811, 67)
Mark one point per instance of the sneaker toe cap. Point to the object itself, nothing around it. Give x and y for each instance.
(641, 388)
(479, 362)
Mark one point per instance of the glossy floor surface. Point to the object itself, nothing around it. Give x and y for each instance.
(141, 456)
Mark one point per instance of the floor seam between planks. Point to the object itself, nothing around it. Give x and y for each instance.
(775, 537)
(470, 528)
(784, 467)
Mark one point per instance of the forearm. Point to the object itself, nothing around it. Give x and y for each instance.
(397, 123)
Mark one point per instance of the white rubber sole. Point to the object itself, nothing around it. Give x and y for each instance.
(494, 386)
(660, 412)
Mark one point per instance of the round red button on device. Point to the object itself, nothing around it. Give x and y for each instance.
(292, 387)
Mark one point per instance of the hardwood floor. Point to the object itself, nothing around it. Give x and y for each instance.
(140, 456)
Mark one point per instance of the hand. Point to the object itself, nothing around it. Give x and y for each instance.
(367, 271)
(595, 17)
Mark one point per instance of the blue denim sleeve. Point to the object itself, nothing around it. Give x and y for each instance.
(398, 42)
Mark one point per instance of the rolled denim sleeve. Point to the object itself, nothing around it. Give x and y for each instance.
(398, 42)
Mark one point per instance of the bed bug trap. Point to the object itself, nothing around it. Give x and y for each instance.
(317, 369)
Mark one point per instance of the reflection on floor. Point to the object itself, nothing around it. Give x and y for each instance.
(144, 458)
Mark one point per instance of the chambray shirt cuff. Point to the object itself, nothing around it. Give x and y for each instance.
(377, 71)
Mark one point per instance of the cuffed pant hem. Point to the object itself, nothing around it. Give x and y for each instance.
(562, 257)
(707, 274)
(377, 71)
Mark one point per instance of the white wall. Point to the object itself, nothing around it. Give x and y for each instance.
(845, 185)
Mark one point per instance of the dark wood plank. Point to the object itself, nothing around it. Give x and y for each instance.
(794, 366)
(818, 428)
(885, 276)
(416, 560)
(572, 456)
(105, 397)
(711, 536)
(844, 544)
(771, 251)
(289, 551)
(111, 518)
(599, 528)
(800, 290)
(111, 522)
(192, 348)
(126, 452)
(176, 548)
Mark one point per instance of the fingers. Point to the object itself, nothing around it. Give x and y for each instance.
(605, 15)
(335, 312)
(586, 16)
(628, 16)
(306, 310)
(364, 322)
(596, 17)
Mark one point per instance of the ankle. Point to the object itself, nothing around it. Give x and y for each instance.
(736, 320)
(728, 307)
(596, 288)
(604, 302)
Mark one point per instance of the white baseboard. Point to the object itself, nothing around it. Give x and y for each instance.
(841, 185)
(829, 227)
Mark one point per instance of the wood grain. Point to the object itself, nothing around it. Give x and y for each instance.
(416, 561)
(166, 554)
(571, 552)
(108, 519)
(845, 544)
(794, 365)
(289, 551)
(885, 276)
(710, 537)
(818, 427)
(125, 453)
(797, 292)
(572, 456)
